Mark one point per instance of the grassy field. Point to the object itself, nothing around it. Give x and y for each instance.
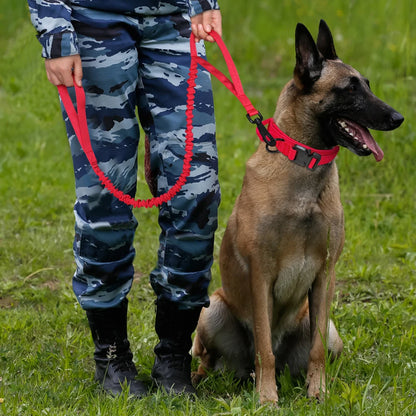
(46, 364)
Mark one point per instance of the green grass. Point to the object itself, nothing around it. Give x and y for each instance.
(46, 361)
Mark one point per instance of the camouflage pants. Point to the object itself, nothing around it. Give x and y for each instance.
(142, 61)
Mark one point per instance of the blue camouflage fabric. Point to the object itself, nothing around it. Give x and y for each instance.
(135, 54)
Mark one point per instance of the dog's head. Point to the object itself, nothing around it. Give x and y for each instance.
(343, 102)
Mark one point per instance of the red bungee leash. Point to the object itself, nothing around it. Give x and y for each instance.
(273, 137)
(78, 120)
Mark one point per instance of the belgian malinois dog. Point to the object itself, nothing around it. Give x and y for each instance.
(286, 231)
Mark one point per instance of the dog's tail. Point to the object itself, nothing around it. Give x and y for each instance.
(197, 347)
(198, 350)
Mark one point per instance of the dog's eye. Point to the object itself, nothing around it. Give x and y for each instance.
(353, 85)
(351, 88)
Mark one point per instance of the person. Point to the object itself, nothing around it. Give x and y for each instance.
(132, 54)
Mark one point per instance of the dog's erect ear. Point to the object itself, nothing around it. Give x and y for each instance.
(325, 42)
(308, 60)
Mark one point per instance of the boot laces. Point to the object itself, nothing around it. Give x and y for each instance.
(123, 364)
(178, 361)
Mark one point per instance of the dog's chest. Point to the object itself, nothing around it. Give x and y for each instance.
(301, 238)
(294, 280)
(289, 293)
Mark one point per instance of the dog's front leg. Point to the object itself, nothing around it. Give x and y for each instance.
(264, 360)
(320, 298)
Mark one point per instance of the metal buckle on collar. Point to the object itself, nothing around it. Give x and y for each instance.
(304, 157)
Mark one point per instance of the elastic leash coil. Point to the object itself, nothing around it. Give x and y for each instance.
(79, 124)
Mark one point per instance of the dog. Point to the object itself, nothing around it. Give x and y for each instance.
(286, 231)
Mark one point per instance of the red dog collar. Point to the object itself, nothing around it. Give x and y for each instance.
(295, 151)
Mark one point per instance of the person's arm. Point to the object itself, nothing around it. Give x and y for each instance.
(52, 21)
(205, 16)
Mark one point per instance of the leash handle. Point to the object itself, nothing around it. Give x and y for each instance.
(234, 85)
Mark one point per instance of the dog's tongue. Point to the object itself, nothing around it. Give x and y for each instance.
(372, 145)
(364, 136)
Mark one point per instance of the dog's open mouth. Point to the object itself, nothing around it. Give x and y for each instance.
(359, 139)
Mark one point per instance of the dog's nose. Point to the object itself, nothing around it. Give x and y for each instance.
(396, 119)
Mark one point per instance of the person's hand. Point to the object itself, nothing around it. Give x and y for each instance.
(203, 23)
(63, 71)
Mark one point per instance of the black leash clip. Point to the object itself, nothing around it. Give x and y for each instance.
(266, 136)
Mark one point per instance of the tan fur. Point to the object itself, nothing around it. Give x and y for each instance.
(283, 238)
(281, 244)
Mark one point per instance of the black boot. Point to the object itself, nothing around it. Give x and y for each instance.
(113, 359)
(172, 368)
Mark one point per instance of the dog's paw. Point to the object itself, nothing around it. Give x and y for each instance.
(197, 377)
(316, 385)
(268, 396)
(315, 393)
